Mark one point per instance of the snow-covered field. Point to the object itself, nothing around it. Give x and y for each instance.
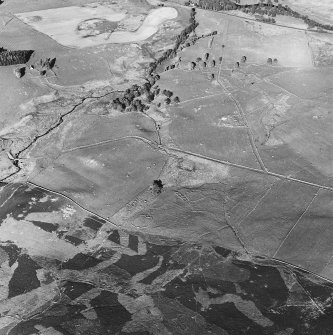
(62, 24)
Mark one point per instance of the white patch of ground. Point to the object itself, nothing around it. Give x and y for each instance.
(90, 162)
(62, 24)
(36, 241)
(68, 211)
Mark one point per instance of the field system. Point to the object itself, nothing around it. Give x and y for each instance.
(170, 173)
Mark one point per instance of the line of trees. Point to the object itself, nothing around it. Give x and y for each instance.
(15, 57)
(180, 39)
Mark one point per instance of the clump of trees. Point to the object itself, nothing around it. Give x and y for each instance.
(14, 57)
(271, 61)
(217, 4)
(192, 65)
(167, 93)
(157, 186)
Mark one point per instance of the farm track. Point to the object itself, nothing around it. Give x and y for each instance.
(243, 116)
(296, 223)
(273, 174)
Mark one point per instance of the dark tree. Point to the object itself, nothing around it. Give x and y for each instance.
(150, 97)
(157, 186)
(176, 100)
(167, 93)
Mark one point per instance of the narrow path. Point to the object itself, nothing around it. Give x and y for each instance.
(294, 226)
(143, 139)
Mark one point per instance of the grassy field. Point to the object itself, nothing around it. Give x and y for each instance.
(264, 228)
(104, 178)
(90, 129)
(306, 84)
(256, 40)
(203, 128)
(204, 212)
(188, 85)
